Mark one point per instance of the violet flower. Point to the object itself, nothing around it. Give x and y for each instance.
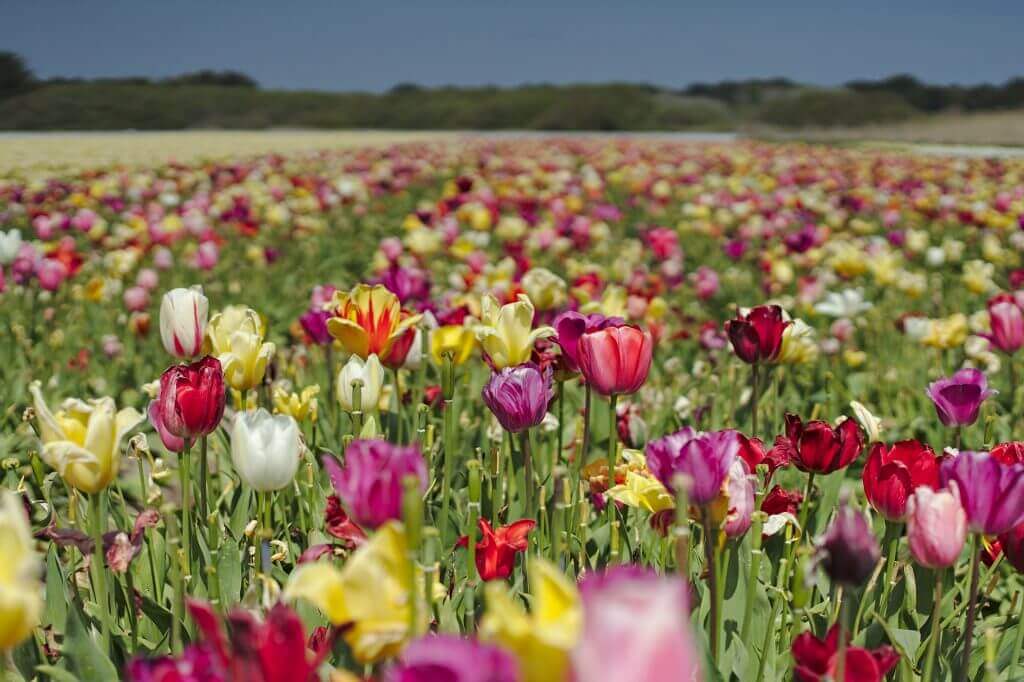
(991, 492)
(519, 396)
(571, 325)
(370, 482)
(959, 397)
(849, 550)
(705, 458)
(453, 659)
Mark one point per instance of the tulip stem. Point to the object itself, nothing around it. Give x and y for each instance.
(448, 445)
(1015, 656)
(710, 553)
(972, 607)
(524, 444)
(613, 462)
(754, 381)
(755, 570)
(185, 476)
(585, 448)
(843, 636)
(399, 424)
(936, 633)
(804, 510)
(99, 576)
(157, 587)
(892, 534)
(1011, 370)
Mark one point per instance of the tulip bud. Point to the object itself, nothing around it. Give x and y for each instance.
(936, 526)
(265, 449)
(370, 373)
(519, 396)
(848, 550)
(183, 314)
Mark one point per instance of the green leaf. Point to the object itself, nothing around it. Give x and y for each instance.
(84, 658)
(229, 573)
(56, 674)
(56, 598)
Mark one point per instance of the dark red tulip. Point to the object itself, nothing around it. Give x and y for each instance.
(191, 400)
(753, 452)
(781, 501)
(1009, 453)
(815, 660)
(892, 474)
(757, 336)
(1012, 544)
(818, 448)
(497, 548)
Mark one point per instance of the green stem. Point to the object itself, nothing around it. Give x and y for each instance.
(613, 463)
(755, 569)
(841, 656)
(528, 482)
(936, 634)
(157, 591)
(804, 510)
(99, 575)
(972, 608)
(1015, 656)
(185, 476)
(399, 426)
(710, 555)
(585, 448)
(892, 533)
(754, 396)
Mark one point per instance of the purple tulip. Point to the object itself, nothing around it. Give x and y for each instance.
(959, 397)
(571, 325)
(453, 659)
(370, 483)
(314, 322)
(519, 396)
(992, 493)
(849, 550)
(705, 458)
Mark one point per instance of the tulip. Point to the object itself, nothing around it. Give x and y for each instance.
(20, 600)
(370, 483)
(848, 550)
(191, 399)
(453, 659)
(705, 459)
(1007, 322)
(936, 526)
(757, 336)
(299, 406)
(542, 638)
(816, 660)
(570, 326)
(739, 491)
(519, 396)
(171, 442)
(10, 246)
(314, 323)
(635, 629)
(82, 441)
(506, 333)
(642, 492)
(369, 594)
(370, 373)
(368, 321)
(183, 321)
(991, 492)
(892, 474)
(820, 449)
(615, 360)
(496, 550)
(1009, 453)
(546, 289)
(1012, 542)
(265, 449)
(232, 319)
(455, 339)
(958, 398)
(245, 361)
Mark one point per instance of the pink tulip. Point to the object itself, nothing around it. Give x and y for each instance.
(936, 526)
(1007, 321)
(740, 491)
(51, 274)
(136, 299)
(148, 279)
(616, 360)
(207, 256)
(643, 618)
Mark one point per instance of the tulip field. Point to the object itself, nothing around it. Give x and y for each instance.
(582, 409)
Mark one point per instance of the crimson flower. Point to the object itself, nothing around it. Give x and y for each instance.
(757, 336)
(892, 474)
(496, 550)
(781, 501)
(818, 448)
(191, 400)
(816, 659)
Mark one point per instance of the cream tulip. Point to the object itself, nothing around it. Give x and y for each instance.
(371, 373)
(506, 332)
(265, 449)
(183, 315)
(82, 441)
(20, 601)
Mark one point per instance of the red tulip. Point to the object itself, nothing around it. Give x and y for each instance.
(615, 360)
(818, 448)
(1012, 544)
(496, 550)
(815, 659)
(753, 452)
(191, 400)
(781, 501)
(1009, 453)
(757, 336)
(892, 474)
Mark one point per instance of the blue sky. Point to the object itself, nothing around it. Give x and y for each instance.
(356, 45)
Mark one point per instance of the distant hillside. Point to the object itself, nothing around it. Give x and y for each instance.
(232, 100)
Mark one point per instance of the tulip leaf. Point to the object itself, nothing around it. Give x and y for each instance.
(56, 599)
(56, 674)
(84, 658)
(229, 572)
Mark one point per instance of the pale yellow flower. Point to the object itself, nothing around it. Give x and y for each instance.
(506, 332)
(20, 601)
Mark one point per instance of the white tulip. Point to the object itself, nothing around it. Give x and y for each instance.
(414, 358)
(265, 449)
(370, 372)
(183, 314)
(10, 244)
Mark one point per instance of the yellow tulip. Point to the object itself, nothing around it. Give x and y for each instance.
(545, 288)
(20, 602)
(82, 441)
(643, 492)
(506, 333)
(298, 406)
(368, 320)
(612, 303)
(224, 324)
(542, 638)
(369, 594)
(454, 338)
(246, 360)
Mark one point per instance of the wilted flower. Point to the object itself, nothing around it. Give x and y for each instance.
(497, 548)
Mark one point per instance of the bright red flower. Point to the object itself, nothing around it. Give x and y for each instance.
(1009, 453)
(781, 501)
(340, 525)
(496, 550)
(892, 474)
(615, 360)
(192, 397)
(757, 336)
(818, 448)
(816, 659)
